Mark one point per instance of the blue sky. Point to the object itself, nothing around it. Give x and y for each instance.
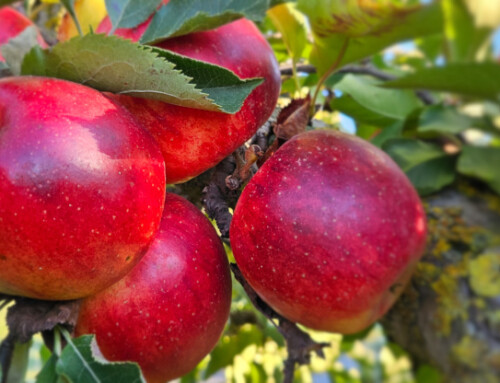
(496, 43)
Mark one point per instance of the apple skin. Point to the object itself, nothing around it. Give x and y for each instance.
(193, 140)
(328, 231)
(82, 189)
(169, 312)
(13, 23)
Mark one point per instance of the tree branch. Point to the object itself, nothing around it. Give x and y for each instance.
(368, 70)
(30, 316)
(304, 68)
(217, 197)
(299, 343)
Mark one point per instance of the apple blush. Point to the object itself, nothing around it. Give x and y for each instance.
(328, 231)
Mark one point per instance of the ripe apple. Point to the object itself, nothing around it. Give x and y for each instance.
(192, 140)
(170, 310)
(81, 188)
(13, 23)
(328, 231)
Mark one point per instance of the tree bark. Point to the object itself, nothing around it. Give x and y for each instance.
(449, 315)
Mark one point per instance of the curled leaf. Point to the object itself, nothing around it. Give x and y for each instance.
(354, 18)
(293, 119)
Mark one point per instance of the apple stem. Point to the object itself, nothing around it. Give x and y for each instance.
(299, 344)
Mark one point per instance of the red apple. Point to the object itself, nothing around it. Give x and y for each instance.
(192, 140)
(170, 310)
(13, 23)
(81, 188)
(328, 231)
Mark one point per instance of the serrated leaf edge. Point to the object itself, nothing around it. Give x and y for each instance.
(157, 56)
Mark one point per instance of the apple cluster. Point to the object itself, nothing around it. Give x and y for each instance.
(327, 232)
(84, 212)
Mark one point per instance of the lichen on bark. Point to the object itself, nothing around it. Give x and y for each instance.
(449, 315)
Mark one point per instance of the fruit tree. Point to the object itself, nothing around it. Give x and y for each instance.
(250, 191)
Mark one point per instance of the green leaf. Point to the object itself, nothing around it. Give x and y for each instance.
(463, 38)
(391, 104)
(221, 85)
(70, 7)
(19, 363)
(428, 374)
(471, 79)
(278, 2)
(427, 166)
(349, 340)
(353, 18)
(349, 106)
(190, 377)
(113, 64)
(292, 26)
(431, 46)
(44, 353)
(393, 131)
(408, 152)
(431, 176)
(48, 373)
(442, 119)
(279, 48)
(181, 17)
(230, 346)
(366, 131)
(256, 374)
(78, 363)
(129, 13)
(16, 48)
(481, 163)
(369, 33)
